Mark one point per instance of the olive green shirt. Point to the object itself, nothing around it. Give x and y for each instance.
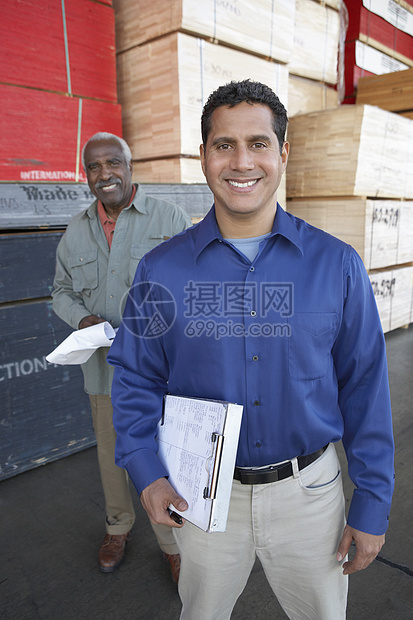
(91, 279)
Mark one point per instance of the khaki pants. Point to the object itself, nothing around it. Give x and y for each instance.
(120, 514)
(294, 527)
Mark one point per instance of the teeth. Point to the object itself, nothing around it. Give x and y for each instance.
(246, 184)
(108, 187)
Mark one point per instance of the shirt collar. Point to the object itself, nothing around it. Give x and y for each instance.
(284, 225)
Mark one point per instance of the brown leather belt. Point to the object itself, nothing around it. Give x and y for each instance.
(275, 473)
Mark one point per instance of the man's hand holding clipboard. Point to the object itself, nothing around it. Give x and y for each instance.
(156, 500)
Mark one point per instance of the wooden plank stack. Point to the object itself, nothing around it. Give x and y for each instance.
(316, 38)
(305, 95)
(356, 150)
(393, 291)
(379, 40)
(45, 411)
(259, 27)
(349, 173)
(163, 86)
(381, 231)
(393, 91)
(170, 56)
(182, 70)
(57, 85)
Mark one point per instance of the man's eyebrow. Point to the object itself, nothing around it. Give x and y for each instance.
(109, 160)
(263, 137)
(222, 139)
(253, 138)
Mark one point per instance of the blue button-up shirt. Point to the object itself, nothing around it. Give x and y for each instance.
(294, 336)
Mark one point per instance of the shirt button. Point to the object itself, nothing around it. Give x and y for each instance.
(252, 268)
(80, 259)
(110, 296)
(258, 444)
(253, 313)
(255, 358)
(257, 403)
(113, 270)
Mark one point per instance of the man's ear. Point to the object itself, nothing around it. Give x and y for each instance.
(202, 155)
(284, 154)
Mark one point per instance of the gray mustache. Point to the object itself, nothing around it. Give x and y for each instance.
(101, 184)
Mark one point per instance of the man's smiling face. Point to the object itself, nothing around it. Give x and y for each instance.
(108, 173)
(242, 162)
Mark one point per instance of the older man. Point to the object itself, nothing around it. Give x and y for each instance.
(96, 262)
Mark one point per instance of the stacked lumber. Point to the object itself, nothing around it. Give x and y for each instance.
(36, 427)
(379, 40)
(163, 86)
(171, 56)
(393, 91)
(381, 231)
(57, 85)
(306, 95)
(363, 60)
(260, 27)
(387, 24)
(316, 40)
(393, 291)
(357, 150)
(349, 173)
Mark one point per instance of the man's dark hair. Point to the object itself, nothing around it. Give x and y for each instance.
(251, 92)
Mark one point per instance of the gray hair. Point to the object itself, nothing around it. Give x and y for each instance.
(104, 135)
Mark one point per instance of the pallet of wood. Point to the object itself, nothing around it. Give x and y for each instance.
(362, 60)
(356, 150)
(306, 96)
(393, 291)
(44, 133)
(381, 231)
(375, 21)
(64, 47)
(316, 39)
(163, 86)
(263, 27)
(393, 91)
(45, 411)
(57, 86)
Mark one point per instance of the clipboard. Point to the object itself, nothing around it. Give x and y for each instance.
(197, 445)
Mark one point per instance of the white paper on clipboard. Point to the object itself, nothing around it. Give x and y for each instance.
(198, 441)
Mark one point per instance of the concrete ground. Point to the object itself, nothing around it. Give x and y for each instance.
(51, 526)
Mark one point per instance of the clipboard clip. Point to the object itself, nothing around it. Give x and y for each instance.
(163, 408)
(217, 443)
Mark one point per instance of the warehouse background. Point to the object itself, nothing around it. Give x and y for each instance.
(143, 70)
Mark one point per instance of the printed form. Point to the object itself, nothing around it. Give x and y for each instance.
(191, 441)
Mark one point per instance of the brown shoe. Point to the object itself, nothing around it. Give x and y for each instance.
(112, 551)
(174, 564)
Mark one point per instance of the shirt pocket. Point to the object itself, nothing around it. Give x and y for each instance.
(84, 271)
(311, 339)
(137, 252)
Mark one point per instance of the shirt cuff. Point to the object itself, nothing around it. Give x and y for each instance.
(368, 515)
(77, 316)
(144, 468)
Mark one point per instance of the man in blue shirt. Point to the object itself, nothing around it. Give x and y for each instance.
(256, 307)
